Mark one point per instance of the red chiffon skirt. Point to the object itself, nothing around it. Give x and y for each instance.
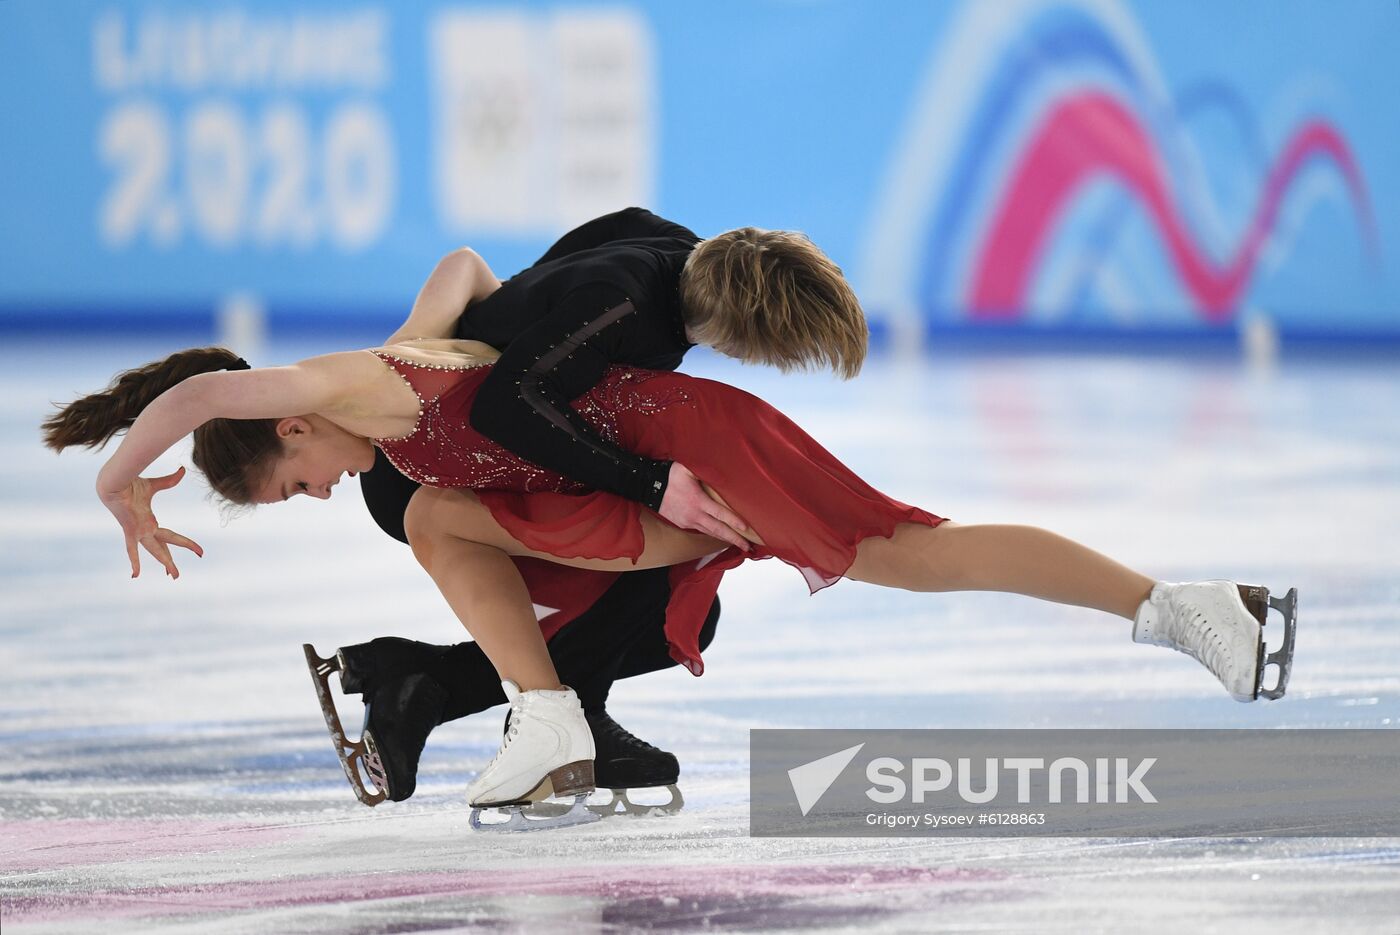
(810, 510)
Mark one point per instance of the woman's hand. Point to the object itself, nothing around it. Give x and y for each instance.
(132, 508)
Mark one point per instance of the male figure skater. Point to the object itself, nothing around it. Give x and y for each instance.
(627, 288)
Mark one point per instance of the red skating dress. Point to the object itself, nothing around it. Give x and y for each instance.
(810, 510)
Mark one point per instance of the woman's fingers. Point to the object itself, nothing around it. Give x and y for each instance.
(158, 545)
(158, 550)
(162, 555)
(169, 480)
(141, 528)
(133, 554)
(174, 538)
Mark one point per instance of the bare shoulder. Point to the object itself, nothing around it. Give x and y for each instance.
(342, 365)
(352, 382)
(443, 352)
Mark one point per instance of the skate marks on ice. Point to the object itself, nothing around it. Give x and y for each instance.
(678, 897)
(701, 879)
(293, 861)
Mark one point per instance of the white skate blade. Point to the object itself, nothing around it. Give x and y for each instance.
(518, 816)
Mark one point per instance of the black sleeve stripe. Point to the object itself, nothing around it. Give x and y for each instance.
(571, 342)
(533, 394)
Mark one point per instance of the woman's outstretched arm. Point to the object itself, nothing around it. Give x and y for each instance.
(315, 385)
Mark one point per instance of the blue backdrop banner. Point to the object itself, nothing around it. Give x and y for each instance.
(1083, 166)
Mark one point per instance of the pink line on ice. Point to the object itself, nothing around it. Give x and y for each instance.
(73, 842)
(610, 883)
(1093, 133)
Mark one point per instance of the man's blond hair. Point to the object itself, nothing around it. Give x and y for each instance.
(773, 297)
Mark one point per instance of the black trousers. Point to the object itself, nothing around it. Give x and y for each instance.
(619, 637)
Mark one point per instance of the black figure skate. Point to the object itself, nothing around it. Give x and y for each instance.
(400, 712)
(624, 763)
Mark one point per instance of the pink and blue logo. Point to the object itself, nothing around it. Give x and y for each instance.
(1047, 170)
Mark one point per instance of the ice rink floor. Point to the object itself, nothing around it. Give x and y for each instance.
(165, 767)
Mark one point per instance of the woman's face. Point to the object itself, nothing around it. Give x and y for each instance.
(316, 454)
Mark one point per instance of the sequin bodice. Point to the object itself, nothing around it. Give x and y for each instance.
(443, 450)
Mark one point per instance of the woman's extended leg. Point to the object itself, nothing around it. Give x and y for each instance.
(948, 557)
(1017, 559)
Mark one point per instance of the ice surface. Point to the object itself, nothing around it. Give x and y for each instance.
(166, 769)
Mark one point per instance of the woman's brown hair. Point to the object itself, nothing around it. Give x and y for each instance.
(773, 297)
(231, 453)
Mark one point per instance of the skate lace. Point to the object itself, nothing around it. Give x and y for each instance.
(609, 732)
(512, 731)
(1191, 632)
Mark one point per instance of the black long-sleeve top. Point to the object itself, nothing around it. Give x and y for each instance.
(607, 293)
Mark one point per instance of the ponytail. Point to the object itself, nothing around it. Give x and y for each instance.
(93, 420)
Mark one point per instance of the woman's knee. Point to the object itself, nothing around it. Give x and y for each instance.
(435, 515)
(916, 558)
(943, 557)
(419, 523)
(432, 515)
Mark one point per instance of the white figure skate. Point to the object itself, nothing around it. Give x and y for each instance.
(547, 751)
(1219, 624)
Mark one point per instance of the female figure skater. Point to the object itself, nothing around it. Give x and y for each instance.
(265, 435)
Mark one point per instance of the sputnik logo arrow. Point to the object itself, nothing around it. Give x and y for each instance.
(811, 780)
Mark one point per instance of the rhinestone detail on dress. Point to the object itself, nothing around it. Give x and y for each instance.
(443, 450)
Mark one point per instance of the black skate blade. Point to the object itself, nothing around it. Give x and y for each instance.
(1283, 656)
(536, 816)
(353, 755)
